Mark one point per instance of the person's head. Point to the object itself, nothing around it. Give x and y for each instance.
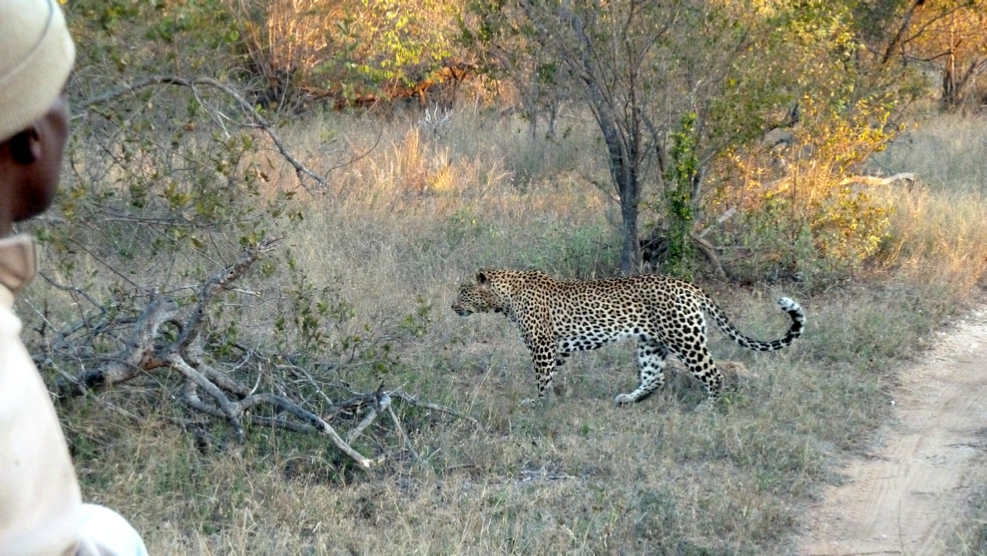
(36, 57)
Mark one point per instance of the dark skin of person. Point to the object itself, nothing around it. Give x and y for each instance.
(30, 166)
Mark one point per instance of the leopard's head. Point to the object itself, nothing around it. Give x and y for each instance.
(475, 296)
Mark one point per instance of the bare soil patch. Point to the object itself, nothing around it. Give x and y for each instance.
(907, 494)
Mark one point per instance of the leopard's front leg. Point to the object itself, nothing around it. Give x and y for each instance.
(534, 324)
(544, 353)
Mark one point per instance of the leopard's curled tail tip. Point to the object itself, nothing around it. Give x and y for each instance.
(790, 306)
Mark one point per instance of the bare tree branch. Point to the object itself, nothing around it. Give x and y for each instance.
(407, 398)
(218, 282)
(906, 23)
(710, 253)
(137, 356)
(368, 419)
(401, 433)
(313, 421)
(229, 410)
(301, 170)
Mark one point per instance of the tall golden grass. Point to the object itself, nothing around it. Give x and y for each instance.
(938, 228)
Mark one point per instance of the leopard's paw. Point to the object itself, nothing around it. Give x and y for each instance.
(623, 399)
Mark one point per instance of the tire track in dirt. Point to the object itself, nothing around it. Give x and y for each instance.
(905, 497)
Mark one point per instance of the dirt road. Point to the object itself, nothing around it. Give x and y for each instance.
(905, 496)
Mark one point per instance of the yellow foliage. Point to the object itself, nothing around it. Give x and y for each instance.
(807, 185)
(325, 43)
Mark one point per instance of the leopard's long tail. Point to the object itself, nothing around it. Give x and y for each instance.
(791, 307)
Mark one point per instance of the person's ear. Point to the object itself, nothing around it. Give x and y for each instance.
(25, 147)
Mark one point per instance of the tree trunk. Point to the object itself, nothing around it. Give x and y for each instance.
(630, 251)
(618, 121)
(950, 96)
(623, 173)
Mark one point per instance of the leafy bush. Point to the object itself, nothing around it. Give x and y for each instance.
(804, 210)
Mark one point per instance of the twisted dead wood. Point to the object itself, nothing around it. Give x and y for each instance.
(209, 390)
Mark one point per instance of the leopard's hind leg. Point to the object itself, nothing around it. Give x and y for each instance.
(689, 343)
(698, 360)
(651, 355)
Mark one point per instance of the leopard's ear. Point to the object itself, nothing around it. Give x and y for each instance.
(481, 277)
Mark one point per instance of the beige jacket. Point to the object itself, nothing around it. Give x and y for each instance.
(40, 505)
(41, 511)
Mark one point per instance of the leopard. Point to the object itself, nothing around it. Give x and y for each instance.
(665, 315)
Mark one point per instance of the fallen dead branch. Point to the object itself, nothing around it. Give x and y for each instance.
(778, 186)
(877, 181)
(166, 338)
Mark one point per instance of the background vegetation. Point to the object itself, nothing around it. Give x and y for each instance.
(749, 136)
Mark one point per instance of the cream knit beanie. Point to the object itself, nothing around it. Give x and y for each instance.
(36, 56)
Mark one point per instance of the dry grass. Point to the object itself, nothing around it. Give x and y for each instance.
(421, 212)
